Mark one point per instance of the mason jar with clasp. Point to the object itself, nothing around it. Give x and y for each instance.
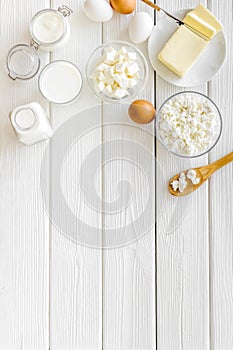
(49, 29)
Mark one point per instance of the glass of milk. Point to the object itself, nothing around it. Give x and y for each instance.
(60, 82)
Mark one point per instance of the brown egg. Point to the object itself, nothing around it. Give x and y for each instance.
(123, 6)
(142, 111)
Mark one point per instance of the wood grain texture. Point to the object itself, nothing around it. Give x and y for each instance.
(221, 194)
(24, 233)
(56, 294)
(182, 254)
(129, 271)
(76, 271)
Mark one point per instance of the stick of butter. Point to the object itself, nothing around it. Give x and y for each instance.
(203, 21)
(182, 51)
(184, 47)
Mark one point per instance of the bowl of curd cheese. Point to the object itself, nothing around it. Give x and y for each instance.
(116, 72)
(189, 124)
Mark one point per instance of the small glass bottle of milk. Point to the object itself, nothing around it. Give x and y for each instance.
(30, 123)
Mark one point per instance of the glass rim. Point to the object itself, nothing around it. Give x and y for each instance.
(51, 64)
(35, 59)
(219, 131)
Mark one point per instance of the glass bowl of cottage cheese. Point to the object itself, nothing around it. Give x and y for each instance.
(117, 72)
(189, 124)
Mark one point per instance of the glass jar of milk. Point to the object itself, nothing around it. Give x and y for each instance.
(49, 29)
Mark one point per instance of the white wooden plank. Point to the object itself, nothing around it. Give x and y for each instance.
(221, 194)
(129, 272)
(24, 234)
(76, 271)
(182, 255)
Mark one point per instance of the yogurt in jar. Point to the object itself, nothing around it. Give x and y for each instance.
(50, 28)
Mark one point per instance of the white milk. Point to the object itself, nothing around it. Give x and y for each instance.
(48, 27)
(25, 118)
(30, 123)
(60, 82)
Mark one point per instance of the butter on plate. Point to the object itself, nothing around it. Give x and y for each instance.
(182, 50)
(203, 21)
(185, 47)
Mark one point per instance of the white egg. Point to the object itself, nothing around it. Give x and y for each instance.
(98, 10)
(140, 27)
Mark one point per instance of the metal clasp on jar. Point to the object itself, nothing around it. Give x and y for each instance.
(65, 10)
(34, 44)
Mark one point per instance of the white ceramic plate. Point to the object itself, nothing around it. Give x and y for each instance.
(202, 71)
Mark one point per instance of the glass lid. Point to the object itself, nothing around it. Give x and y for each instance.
(22, 62)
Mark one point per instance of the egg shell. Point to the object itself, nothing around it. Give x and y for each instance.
(140, 27)
(142, 111)
(98, 10)
(124, 7)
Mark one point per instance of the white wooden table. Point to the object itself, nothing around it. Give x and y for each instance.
(168, 290)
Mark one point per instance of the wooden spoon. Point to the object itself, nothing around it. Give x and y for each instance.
(203, 173)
